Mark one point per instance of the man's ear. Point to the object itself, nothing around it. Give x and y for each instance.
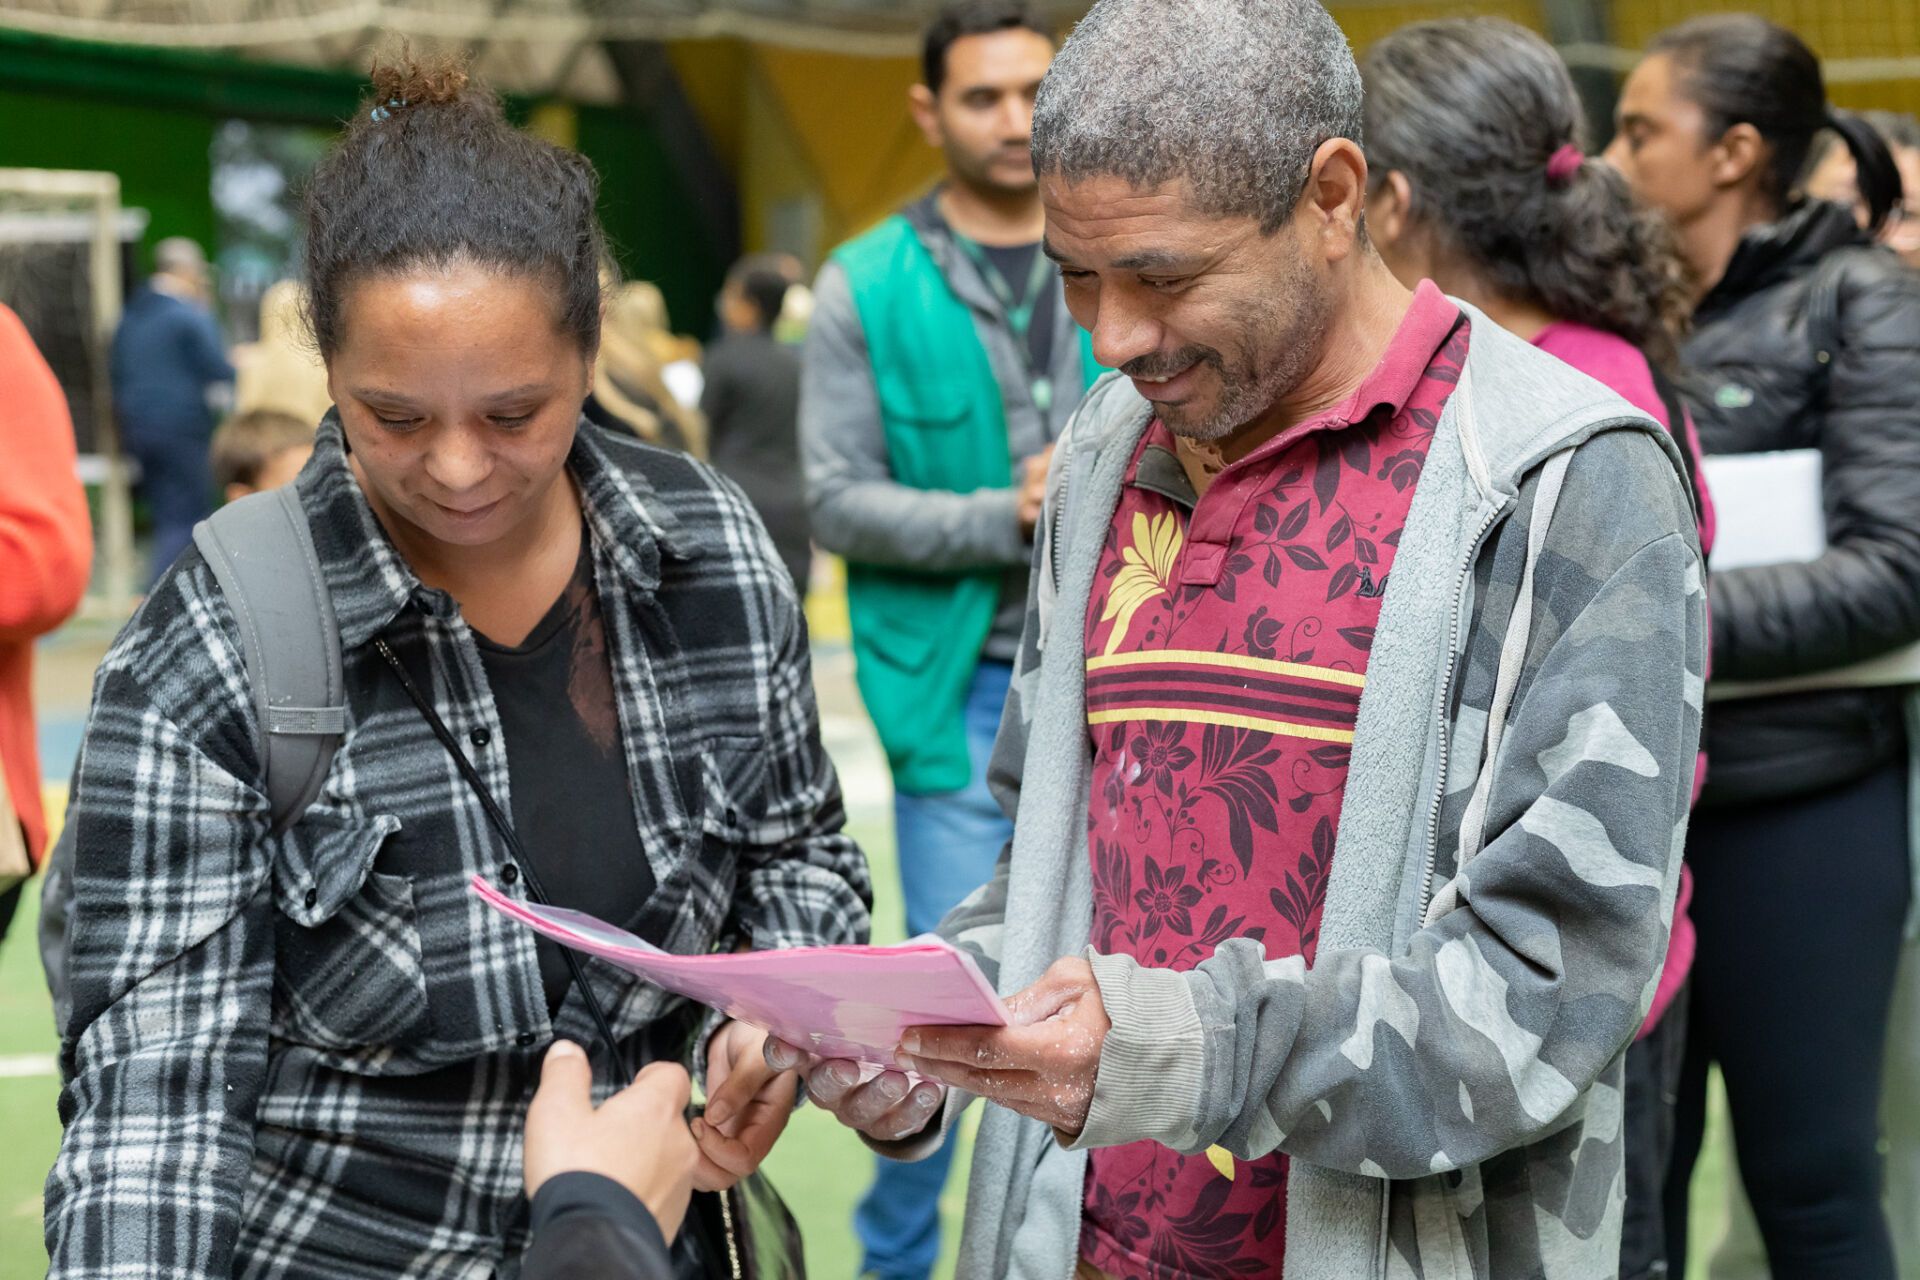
(1336, 196)
(925, 110)
(1740, 151)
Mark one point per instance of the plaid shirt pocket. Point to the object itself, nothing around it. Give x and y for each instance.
(349, 974)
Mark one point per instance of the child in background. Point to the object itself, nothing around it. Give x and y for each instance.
(259, 450)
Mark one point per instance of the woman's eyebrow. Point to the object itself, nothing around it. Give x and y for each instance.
(522, 391)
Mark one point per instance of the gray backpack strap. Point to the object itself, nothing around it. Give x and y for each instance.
(260, 548)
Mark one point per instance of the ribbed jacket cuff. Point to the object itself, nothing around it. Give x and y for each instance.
(1148, 1086)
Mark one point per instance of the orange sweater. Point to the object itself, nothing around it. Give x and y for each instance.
(46, 550)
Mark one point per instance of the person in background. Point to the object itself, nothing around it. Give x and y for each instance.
(46, 553)
(1477, 181)
(1832, 175)
(940, 366)
(678, 355)
(282, 372)
(1804, 336)
(166, 364)
(751, 402)
(630, 393)
(259, 450)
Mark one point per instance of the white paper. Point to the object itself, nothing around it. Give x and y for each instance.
(1767, 508)
(1769, 511)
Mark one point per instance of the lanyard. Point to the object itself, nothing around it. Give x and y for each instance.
(1019, 313)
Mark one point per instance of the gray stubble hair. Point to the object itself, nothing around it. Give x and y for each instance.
(1235, 96)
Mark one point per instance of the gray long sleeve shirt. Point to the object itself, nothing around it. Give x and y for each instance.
(858, 509)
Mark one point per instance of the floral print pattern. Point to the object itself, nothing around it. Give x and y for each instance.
(1227, 645)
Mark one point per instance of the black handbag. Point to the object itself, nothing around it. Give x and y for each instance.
(744, 1233)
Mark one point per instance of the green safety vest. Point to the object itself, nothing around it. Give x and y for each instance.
(917, 636)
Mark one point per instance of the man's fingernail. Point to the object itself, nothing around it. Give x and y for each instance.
(925, 1098)
(838, 1076)
(780, 1055)
(565, 1049)
(906, 1061)
(698, 1128)
(910, 1042)
(891, 1087)
(718, 1112)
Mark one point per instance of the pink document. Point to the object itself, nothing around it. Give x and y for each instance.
(838, 1002)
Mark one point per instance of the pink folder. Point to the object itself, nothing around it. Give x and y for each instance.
(838, 1002)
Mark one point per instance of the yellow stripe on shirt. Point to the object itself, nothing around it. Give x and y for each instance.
(1237, 661)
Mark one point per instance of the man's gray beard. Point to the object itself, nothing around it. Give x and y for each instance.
(1299, 351)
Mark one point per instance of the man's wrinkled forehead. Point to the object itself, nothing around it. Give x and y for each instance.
(1107, 222)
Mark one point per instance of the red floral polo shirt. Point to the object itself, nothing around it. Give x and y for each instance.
(1227, 645)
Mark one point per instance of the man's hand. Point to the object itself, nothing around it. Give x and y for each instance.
(1043, 1066)
(1033, 490)
(748, 1105)
(638, 1137)
(884, 1108)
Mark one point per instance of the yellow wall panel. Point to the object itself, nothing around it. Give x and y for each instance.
(713, 72)
(849, 116)
(1365, 23)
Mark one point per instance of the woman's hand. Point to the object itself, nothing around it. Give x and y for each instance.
(748, 1105)
(638, 1137)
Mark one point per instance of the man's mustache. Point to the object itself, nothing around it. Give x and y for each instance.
(1156, 365)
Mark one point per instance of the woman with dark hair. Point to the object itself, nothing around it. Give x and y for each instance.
(1477, 181)
(308, 1051)
(1805, 337)
(1833, 175)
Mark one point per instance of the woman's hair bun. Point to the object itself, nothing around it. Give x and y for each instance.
(412, 81)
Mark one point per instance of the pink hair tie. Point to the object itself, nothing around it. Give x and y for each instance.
(1563, 164)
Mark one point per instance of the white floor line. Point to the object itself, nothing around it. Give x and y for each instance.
(16, 1066)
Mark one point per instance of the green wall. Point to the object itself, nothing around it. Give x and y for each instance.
(160, 155)
(149, 116)
(649, 219)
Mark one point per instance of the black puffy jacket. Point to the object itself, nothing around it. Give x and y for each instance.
(1771, 366)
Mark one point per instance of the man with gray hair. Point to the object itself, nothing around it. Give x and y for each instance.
(167, 359)
(1351, 740)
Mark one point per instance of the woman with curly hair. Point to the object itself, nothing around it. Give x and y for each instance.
(1479, 181)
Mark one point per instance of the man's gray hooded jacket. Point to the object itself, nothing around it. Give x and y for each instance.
(1447, 1075)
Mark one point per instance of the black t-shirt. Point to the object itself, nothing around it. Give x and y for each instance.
(1014, 265)
(567, 768)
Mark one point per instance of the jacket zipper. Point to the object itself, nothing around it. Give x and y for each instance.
(1445, 712)
(1060, 517)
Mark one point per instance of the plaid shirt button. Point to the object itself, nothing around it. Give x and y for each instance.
(509, 873)
(313, 896)
(480, 737)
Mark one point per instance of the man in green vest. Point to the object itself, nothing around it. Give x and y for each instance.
(940, 366)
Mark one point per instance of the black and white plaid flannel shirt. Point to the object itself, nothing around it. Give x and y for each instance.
(310, 1054)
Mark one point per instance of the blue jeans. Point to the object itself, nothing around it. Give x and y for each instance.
(177, 478)
(948, 844)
